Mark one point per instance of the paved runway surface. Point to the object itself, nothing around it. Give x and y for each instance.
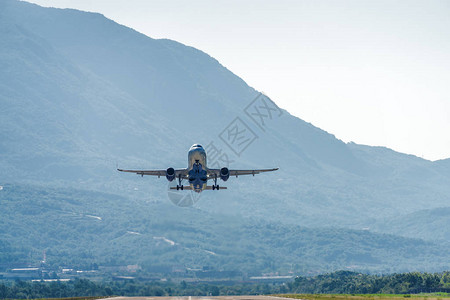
(201, 298)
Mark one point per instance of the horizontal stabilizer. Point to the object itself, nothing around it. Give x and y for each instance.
(209, 187)
(185, 187)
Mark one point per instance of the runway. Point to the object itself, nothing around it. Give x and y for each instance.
(200, 298)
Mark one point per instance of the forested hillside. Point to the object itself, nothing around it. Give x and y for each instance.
(79, 229)
(336, 283)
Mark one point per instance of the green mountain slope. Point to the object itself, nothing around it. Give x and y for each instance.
(79, 229)
(430, 224)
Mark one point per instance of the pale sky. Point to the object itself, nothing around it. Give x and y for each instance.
(372, 72)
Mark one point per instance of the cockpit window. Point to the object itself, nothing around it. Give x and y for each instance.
(200, 146)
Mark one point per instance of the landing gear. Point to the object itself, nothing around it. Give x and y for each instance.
(179, 185)
(215, 185)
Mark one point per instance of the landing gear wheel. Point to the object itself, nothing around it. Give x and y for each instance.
(179, 187)
(215, 185)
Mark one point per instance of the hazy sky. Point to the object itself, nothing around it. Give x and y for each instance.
(372, 72)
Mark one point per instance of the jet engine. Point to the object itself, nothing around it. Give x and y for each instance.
(224, 174)
(170, 174)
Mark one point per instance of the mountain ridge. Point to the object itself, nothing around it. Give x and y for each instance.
(313, 150)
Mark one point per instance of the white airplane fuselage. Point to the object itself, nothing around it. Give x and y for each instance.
(197, 168)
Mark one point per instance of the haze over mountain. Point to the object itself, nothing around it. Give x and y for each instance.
(81, 93)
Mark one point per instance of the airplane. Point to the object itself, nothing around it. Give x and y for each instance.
(197, 173)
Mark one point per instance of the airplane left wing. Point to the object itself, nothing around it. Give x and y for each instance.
(159, 173)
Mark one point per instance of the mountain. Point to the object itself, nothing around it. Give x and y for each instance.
(79, 229)
(428, 224)
(82, 93)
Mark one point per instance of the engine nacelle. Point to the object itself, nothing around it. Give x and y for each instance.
(224, 174)
(170, 174)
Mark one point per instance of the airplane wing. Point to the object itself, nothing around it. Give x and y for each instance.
(159, 173)
(216, 172)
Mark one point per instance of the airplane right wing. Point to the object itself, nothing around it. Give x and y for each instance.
(216, 172)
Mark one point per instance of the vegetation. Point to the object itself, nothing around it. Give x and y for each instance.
(83, 288)
(435, 296)
(344, 282)
(338, 284)
(90, 230)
